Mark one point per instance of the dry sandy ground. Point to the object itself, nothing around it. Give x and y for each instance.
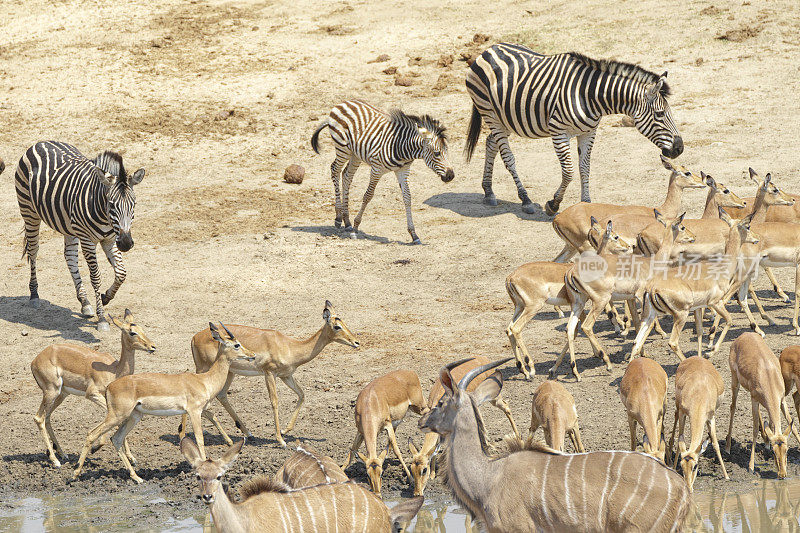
(215, 99)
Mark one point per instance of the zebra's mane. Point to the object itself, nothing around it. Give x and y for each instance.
(111, 162)
(399, 118)
(621, 68)
(261, 485)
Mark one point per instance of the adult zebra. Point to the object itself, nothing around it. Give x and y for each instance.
(87, 201)
(386, 142)
(516, 90)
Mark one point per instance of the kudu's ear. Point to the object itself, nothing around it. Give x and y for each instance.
(190, 451)
(489, 389)
(405, 511)
(137, 177)
(230, 454)
(447, 380)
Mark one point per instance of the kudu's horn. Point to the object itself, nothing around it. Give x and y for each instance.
(472, 374)
(454, 364)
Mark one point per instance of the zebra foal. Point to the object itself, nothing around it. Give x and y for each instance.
(87, 201)
(386, 142)
(516, 90)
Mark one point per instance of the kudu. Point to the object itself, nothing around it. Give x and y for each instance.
(382, 405)
(643, 391)
(423, 463)
(698, 389)
(553, 408)
(572, 223)
(790, 370)
(307, 468)
(131, 397)
(63, 369)
(277, 355)
(539, 489)
(755, 367)
(270, 506)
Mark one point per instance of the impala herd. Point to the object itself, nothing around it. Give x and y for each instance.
(654, 261)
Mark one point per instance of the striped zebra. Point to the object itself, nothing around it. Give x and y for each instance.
(87, 201)
(516, 90)
(386, 142)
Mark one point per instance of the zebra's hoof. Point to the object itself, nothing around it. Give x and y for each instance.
(416, 241)
(490, 199)
(36, 303)
(337, 223)
(550, 207)
(87, 311)
(102, 326)
(348, 228)
(354, 235)
(528, 208)
(104, 299)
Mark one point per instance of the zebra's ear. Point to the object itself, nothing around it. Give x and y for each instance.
(137, 177)
(654, 89)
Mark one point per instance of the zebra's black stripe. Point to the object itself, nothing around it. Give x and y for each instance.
(516, 90)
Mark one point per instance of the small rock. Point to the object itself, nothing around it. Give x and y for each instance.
(294, 174)
(469, 57)
(624, 122)
(403, 81)
(390, 70)
(480, 38)
(445, 60)
(24, 332)
(225, 114)
(698, 61)
(380, 59)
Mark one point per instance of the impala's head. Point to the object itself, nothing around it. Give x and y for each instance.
(337, 329)
(688, 460)
(426, 139)
(653, 117)
(780, 446)
(614, 244)
(746, 235)
(769, 192)
(420, 467)
(723, 195)
(683, 177)
(678, 231)
(119, 197)
(209, 472)
(230, 348)
(132, 333)
(374, 466)
(444, 416)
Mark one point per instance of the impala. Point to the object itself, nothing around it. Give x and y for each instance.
(382, 405)
(698, 388)
(307, 467)
(790, 370)
(63, 369)
(755, 367)
(553, 408)
(539, 489)
(131, 397)
(423, 464)
(643, 391)
(277, 355)
(268, 506)
(571, 224)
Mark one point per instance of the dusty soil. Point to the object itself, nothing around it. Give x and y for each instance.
(215, 99)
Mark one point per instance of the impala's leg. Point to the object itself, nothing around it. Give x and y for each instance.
(578, 443)
(289, 380)
(121, 436)
(71, 256)
(719, 307)
(585, 142)
(95, 396)
(396, 449)
(488, 166)
(522, 315)
(272, 388)
(402, 180)
(347, 180)
(698, 329)
(796, 299)
(196, 418)
(588, 329)
(734, 393)
(745, 305)
(681, 428)
(775, 286)
(648, 317)
(336, 174)
(209, 415)
(90, 254)
(761, 311)
(679, 318)
(659, 329)
(751, 464)
(501, 404)
(796, 397)
(114, 257)
(672, 437)
(127, 450)
(561, 145)
(351, 455)
(632, 317)
(59, 450)
(632, 427)
(579, 301)
(111, 421)
(566, 253)
(712, 433)
(508, 159)
(42, 416)
(374, 176)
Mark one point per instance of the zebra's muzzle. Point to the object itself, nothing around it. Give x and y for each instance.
(448, 176)
(675, 150)
(124, 242)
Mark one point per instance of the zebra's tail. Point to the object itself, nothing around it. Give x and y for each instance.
(315, 137)
(473, 133)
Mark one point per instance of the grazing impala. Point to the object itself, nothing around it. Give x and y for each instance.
(277, 355)
(307, 468)
(643, 390)
(534, 285)
(63, 369)
(131, 397)
(755, 367)
(790, 370)
(553, 408)
(572, 223)
(269, 506)
(423, 464)
(539, 489)
(698, 388)
(382, 405)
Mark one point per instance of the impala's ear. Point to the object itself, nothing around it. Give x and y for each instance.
(667, 164)
(137, 177)
(680, 218)
(745, 222)
(710, 181)
(702, 447)
(382, 456)
(770, 434)
(660, 217)
(230, 454)
(214, 332)
(790, 428)
(128, 315)
(681, 446)
(489, 389)
(116, 321)
(609, 228)
(362, 457)
(593, 222)
(724, 216)
(767, 178)
(411, 447)
(190, 451)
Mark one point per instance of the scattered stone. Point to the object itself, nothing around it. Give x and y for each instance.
(380, 59)
(740, 34)
(710, 10)
(698, 61)
(403, 81)
(480, 38)
(445, 60)
(225, 114)
(624, 122)
(294, 174)
(401, 262)
(419, 61)
(390, 70)
(469, 57)
(24, 332)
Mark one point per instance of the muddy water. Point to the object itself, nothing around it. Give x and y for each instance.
(769, 506)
